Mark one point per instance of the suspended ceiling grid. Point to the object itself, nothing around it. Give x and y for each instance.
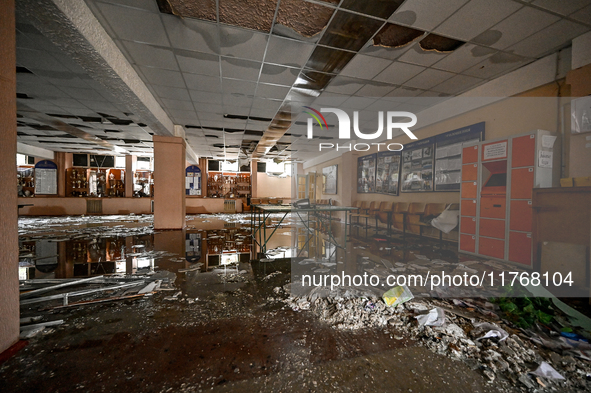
(230, 86)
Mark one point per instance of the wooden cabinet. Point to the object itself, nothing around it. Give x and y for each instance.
(226, 185)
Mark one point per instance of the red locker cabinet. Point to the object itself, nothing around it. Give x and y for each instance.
(498, 177)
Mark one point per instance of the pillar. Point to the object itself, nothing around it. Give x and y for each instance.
(254, 192)
(9, 293)
(129, 174)
(169, 182)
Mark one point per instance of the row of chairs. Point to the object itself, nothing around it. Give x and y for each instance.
(403, 216)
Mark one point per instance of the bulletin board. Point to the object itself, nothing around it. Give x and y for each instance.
(193, 180)
(448, 155)
(388, 172)
(45, 178)
(417, 166)
(366, 174)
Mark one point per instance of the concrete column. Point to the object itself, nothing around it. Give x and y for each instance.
(129, 169)
(203, 167)
(9, 305)
(169, 182)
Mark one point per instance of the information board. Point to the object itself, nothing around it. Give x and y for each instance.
(387, 172)
(45, 178)
(417, 166)
(448, 155)
(193, 180)
(366, 174)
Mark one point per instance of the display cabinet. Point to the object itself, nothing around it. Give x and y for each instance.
(77, 184)
(228, 185)
(115, 182)
(25, 180)
(496, 193)
(143, 183)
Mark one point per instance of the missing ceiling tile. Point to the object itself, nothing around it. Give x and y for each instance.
(434, 42)
(256, 15)
(395, 36)
(307, 19)
(199, 9)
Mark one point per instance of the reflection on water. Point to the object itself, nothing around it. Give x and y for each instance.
(56, 257)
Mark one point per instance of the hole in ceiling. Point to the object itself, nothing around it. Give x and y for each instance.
(23, 96)
(380, 8)
(23, 70)
(307, 19)
(395, 36)
(203, 9)
(192, 126)
(434, 42)
(211, 136)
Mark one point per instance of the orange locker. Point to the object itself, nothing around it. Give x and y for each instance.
(523, 152)
(469, 154)
(470, 172)
(520, 247)
(468, 243)
(520, 216)
(468, 225)
(468, 207)
(492, 228)
(492, 206)
(522, 183)
(492, 247)
(469, 189)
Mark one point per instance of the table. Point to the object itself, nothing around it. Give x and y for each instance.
(318, 213)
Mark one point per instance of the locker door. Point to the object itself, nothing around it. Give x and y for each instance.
(469, 189)
(468, 225)
(524, 151)
(522, 183)
(469, 154)
(521, 216)
(520, 247)
(468, 243)
(468, 207)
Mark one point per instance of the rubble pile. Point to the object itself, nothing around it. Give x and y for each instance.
(503, 354)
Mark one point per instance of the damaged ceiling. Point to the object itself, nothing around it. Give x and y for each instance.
(237, 73)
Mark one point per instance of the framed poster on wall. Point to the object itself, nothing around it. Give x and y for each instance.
(417, 166)
(387, 172)
(330, 179)
(193, 180)
(366, 174)
(448, 155)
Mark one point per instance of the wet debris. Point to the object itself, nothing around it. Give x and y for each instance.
(505, 354)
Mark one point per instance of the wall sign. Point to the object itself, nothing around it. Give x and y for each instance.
(494, 151)
(45, 178)
(366, 174)
(193, 180)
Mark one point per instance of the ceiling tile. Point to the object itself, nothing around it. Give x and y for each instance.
(464, 57)
(39, 60)
(425, 14)
(271, 91)
(549, 39)
(161, 77)
(561, 6)
(398, 73)
(202, 82)
(278, 75)
(416, 55)
(198, 63)
(151, 6)
(457, 84)
(173, 93)
(287, 52)
(384, 52)
(246, 44)
(82, 94)
(240, 69)
(261, 103)
(205, 97)
(428, 78)
(475, 17)
(583, 15)
(375, 90)
(232, 86)
(379, 8)
(152, 56)
(192, 34)
(344, 85)
(496, 64)
(134, 25)
(516, 27)
(365, 67)
(237, 100)
(178, 104)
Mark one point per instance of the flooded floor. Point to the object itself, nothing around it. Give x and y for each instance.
(219, 323)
